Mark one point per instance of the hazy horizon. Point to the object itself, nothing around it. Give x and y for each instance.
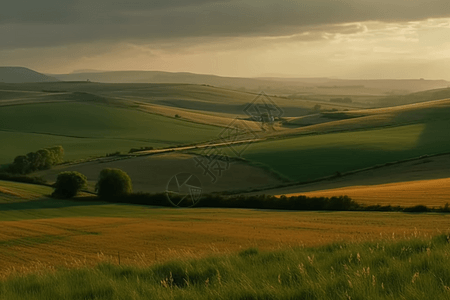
(353, 39)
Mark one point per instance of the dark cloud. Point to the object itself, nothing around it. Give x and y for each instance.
(26, 23)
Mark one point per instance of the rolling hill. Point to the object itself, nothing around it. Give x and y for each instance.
(368, 138)
(422, 181)
(87, 129)
(432, 193)
(21, 75)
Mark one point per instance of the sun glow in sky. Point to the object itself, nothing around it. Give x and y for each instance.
(305, 38)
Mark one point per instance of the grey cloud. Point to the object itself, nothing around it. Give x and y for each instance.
(25, 23)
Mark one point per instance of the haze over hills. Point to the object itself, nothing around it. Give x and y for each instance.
(264, 83)
(22, 75)
(273, 85)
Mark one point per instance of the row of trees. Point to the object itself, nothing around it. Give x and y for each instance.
(34, 161)
(111, 183)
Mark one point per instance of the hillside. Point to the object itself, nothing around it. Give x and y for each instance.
(151, 174)
(423, 96)
(421, 192)
(13, 192)
(22, 75)
(419, 181)
(367, 138)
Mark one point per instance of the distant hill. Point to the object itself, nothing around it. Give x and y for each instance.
(22, 75)
(271, 84)
(423, 96)
(162, 77)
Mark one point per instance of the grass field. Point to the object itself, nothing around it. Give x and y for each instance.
(151, 174)
(87, 129)
(22, 192)
(310, 157)
(410, 268)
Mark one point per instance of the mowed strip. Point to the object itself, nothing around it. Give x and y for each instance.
(433, 193)
(165, 234)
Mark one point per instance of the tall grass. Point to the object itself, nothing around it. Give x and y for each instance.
(411, 268)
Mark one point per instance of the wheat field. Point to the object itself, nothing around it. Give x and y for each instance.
(432, 193)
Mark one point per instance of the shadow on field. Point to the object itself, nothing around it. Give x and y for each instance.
(45, 203)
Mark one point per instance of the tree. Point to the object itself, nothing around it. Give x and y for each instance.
(20, 165)
(68, 184)
(56, 154)
(113, 182)
(45, 159)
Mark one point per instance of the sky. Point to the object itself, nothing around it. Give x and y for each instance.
(364, 39)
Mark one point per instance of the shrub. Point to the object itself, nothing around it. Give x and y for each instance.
(113, 183)
(68, 184)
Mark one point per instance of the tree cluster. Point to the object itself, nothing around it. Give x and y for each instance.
(34, 161)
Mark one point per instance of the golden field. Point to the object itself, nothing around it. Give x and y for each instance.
(142, 235)
(432, 193)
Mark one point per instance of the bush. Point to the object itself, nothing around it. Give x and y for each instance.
(68, 184)
(113, 183)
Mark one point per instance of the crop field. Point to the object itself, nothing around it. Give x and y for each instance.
(52, 232)
(432, 193)
(88, 130)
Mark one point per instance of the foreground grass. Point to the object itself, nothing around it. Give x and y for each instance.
(413, 268)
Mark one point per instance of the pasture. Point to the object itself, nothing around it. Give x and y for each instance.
(85, 129)
(310, 157)
(151, 174)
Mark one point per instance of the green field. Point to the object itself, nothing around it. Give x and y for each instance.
(14, 192)
(315, 156)
(87, 129)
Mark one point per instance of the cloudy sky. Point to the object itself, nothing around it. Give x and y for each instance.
(302, 38)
